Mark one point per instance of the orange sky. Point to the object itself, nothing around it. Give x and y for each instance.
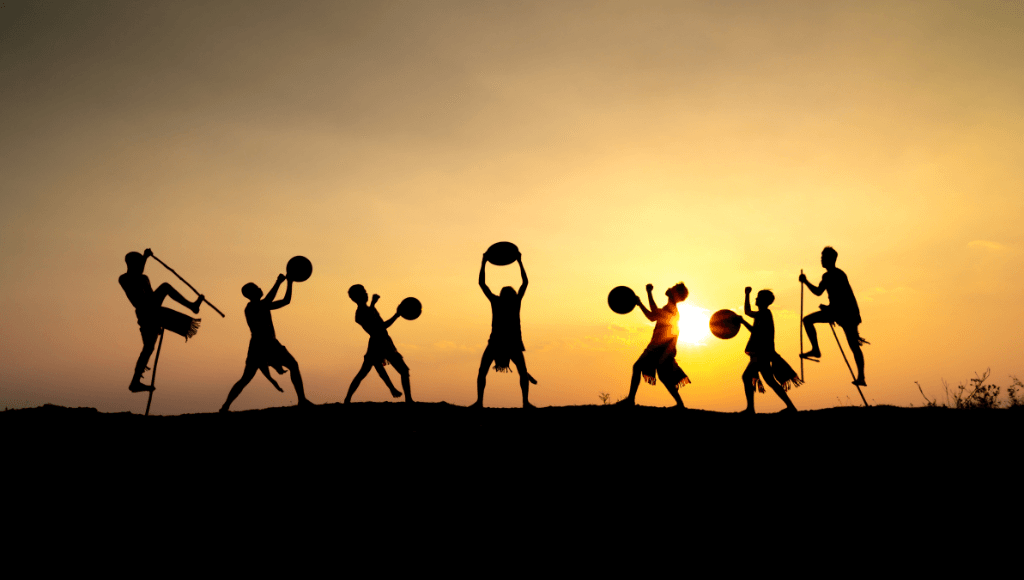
(720, 144)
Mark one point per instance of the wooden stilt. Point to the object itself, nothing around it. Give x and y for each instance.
(152, 379)
(847, 361)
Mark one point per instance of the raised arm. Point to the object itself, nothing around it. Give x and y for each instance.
(746, 303)
(650, 297)
(522, 272)
(287, 297)
(273, 290)
(483, 283)
(648, 313)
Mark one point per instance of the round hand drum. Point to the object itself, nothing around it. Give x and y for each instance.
(410, 309)
(299, 269)
(725, 324)
(622, 299)
(502, 253)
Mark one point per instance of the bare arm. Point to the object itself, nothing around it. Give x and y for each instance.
(816, 290)
(746, 304)
(522, 272)
(284, 301)
(483, 284)
(650, 297)
(390, 321)
(648, 313)
(745, 323)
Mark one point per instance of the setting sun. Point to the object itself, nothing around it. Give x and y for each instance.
(693, 324)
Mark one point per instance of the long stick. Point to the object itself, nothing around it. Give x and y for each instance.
(852, 376)
(186, 283)
(152, 378)
(801, 327)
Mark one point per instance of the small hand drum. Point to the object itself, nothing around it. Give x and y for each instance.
(622, 299)
(725, 323)
(299, 269)
(410, 309)
(502, 253)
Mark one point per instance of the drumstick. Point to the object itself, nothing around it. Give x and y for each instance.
(186, 283)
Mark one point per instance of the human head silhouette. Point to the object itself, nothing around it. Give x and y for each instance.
(252, 291)
(358, 294)
(136, 263)
(507, 293)
(828, 257)
(677, 293)
(764, 298)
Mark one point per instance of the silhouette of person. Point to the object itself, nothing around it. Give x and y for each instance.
(151, 314)
(763, 358)
(842, 310)
(659, 358)
(505, 344)
(264, 349)
(381, 349)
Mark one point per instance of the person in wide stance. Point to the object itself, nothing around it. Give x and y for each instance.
(659, 358)
(381, 349)
(264, 348)
(505, 345)
(764, 361)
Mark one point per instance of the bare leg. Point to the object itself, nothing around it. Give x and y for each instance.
(293, 368)
(769, 378)
(524, 378)
(363, 371)
(387, 380)
(406, 386)
(166, 290)
(634, 386)
(812, 335)
(748, 387)
(148, 343)
(674, 391)
(247, 375)
(853, 338)
(481, 378)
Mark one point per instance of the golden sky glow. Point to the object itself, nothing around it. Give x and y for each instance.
(616, 143)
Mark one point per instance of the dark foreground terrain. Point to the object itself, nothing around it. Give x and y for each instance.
(446, 476)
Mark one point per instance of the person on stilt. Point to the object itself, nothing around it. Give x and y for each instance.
(764, 361)
(264, 349)
(505, 345)
(842, 310)
(659, 358)
(151, 314)
(381, 349)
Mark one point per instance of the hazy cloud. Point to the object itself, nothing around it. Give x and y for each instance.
(987, 245)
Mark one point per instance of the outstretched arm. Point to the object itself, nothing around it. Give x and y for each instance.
(390, 321)
(522, 272)
(273, 290)
(284, 301)
(648, 313)
(483, 284)
(816, 290)
(746, 303)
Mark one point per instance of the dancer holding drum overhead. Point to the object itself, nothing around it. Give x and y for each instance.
(264, 348)
(505, 344)
(763, 358)
(151, 315)
(659, 358)
(381, 349)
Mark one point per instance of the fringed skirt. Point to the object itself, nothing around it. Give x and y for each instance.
(178, 323)
(774, 366)
(660, 361)
(502, 350)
